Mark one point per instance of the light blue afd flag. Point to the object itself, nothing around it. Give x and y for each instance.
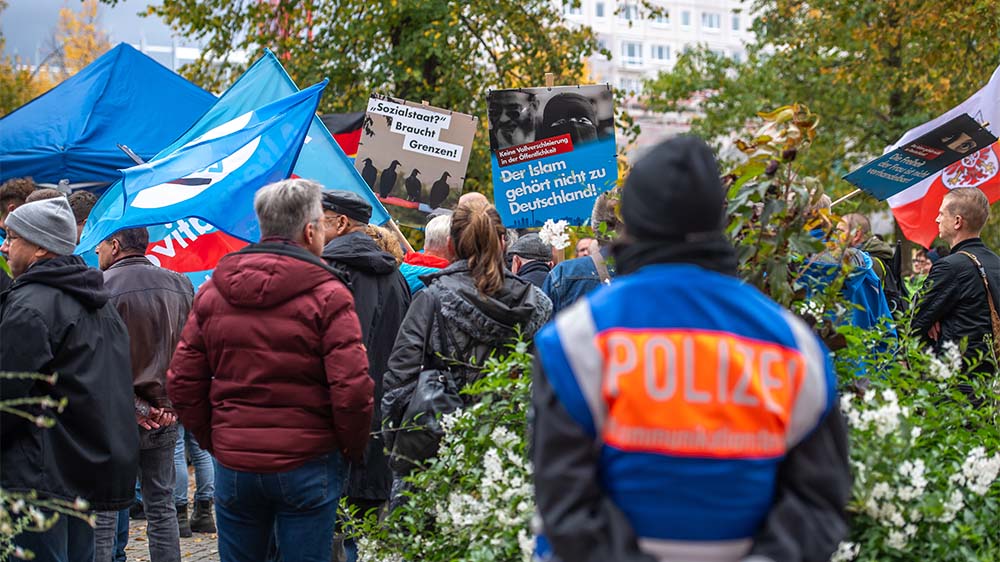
(213, 176)
(321, 159)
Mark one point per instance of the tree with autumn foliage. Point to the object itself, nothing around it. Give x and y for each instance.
(18, 85)
(80, 39)
(872, 69)
(77, 42)
(449, 53)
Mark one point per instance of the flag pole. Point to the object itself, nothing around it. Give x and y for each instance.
(399, 234)
(846, 197)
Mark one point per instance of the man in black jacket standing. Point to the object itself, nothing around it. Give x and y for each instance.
(154, 303)
(56, 319)
(381, 297)
(955, 305)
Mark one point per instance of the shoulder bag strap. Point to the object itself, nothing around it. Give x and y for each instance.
(995, 319)
(602, 267)
(429, 357)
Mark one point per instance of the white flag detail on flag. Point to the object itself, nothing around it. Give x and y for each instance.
(916, 207)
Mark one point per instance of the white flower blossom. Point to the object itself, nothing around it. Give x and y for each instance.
(914, 471)
(527, 544)
(554, 234)
(980, 471)
(846, 551)
(954, 504)
(896, 540)
(881, 491)
(948, 364)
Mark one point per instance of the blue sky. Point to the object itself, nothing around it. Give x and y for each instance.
(28, 25)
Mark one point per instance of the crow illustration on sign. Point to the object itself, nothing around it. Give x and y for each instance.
(414, 156)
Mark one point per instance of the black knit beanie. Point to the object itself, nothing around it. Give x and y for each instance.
(674, 192)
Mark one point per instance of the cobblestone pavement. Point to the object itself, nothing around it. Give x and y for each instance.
(199, 548)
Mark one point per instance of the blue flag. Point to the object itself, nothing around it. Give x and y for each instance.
(212, 176)
(321, 159)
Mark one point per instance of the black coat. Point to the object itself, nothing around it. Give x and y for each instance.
(381, 297)
(56, 318)
(474, 326)
(956, 298)
(534, 272)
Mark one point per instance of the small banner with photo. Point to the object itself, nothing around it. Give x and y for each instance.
(553, 152)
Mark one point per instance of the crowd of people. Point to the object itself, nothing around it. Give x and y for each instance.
(678, 413)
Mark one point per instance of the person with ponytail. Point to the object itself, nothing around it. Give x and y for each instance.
(469, 309)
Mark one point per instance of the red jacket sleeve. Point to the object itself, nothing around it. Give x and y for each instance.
(189, 379)
(346, 363)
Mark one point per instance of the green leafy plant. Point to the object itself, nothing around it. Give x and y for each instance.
(474, 500)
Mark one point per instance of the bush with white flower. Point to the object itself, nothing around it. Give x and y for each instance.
(474, 500)
(925, 461)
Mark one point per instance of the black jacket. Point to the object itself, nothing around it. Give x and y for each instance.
(534, 272)
(956, 298)
(474, 326)
(381, 297)
(56, 318)
(154, 303)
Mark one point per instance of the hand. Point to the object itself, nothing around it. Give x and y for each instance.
(146, 422)
(163, 417)
(935, 332)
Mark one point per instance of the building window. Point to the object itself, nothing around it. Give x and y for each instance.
(629, 12)
(736, 22)
(661, 52)
(599, 9)
(663, 18)
(602, 44)
(686, 18)
(630, 85)
(711, 21)
(570, 9)
(632, 53)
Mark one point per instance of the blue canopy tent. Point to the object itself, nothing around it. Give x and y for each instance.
(72, 131)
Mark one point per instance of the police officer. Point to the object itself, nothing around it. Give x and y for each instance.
(680, 414)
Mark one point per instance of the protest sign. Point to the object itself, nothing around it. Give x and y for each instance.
(553, 152)
(919, 159)
(414, 156)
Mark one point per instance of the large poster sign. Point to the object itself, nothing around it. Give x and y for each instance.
(414, 156)
(919, 159)
(553, 152)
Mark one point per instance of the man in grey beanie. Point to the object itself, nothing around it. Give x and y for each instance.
(56, 320)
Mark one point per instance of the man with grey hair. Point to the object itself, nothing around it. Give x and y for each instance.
(57, 320)
(271, 377)
(574, 278)
(438, 253)
(957, 303)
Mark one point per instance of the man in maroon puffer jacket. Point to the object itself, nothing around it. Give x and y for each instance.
(272, 378)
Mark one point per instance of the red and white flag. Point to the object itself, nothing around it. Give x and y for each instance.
(916, 208)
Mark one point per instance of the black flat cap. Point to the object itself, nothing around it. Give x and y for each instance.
(347, 203)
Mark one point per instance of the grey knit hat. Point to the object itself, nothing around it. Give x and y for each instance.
(48, 223)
